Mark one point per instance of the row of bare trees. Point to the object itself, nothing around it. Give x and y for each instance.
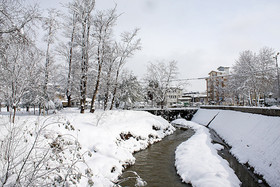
(38, 154)
(94, 51)
(83, 39)
(19, 57)
(159, 81)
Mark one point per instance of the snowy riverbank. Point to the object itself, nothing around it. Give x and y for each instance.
(197, 160)
(254, 139)
(111, 137)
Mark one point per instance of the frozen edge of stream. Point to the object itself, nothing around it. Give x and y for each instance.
(197, 160)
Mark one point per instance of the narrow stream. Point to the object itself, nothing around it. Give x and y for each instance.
(155, 165)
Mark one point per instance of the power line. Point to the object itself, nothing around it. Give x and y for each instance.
(223, 75)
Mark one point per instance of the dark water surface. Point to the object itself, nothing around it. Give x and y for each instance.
(155, 165)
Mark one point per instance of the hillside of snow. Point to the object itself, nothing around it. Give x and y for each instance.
(111, 137)
(254, 138)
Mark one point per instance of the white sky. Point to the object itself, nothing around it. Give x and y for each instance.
(199, 34)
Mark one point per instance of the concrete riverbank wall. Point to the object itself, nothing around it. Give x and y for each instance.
(254, 138)
(268, 111)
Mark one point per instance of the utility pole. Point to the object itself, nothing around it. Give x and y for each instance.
(278, 82)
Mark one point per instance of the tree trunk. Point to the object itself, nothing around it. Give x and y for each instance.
(115, 89)
(69, 83)
(100, 59)
(45, 87)
(113, 99)
(84, 66)
(96, 90)
(14, 114)
(106, 99)
(8, 108)
(68, 100)
(40, 110)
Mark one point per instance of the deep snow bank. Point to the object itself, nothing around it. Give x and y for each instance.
(255, 139)
(111, 137)
(197, 160)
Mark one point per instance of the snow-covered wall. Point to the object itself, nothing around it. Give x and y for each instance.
(255, 139)
(268, 111)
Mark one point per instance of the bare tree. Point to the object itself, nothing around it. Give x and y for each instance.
(130, 90)
(17, 21)
(83, 10)
(125, 49)
(103, 24)
(16, 17)
(51, 25)
(159, 77)
(265, 65)
(69, 82)
(245, 73)
(109, 74)
(252, 77)
(69, 50)
(18, 69)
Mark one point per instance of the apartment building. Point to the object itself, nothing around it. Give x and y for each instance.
(215, 84)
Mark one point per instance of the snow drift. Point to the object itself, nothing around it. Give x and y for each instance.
(111, 137)
(197, 160)
(255, 139)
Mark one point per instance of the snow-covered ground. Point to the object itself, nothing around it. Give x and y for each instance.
(255, 139)
(110, 136)
(197, 160)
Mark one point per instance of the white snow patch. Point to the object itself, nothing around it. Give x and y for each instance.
(111, 136)
(197, 160)
(255, 139)
(218, 146)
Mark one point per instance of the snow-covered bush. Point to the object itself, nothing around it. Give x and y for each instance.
(34, 154)
(58, 104)
(270, 101)
(50, 105)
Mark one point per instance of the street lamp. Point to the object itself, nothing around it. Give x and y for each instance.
(277, 75)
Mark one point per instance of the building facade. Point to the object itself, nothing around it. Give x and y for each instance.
(172, 97)
(215, 84)
(193, 99)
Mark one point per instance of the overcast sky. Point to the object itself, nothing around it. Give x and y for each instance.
(200, 35)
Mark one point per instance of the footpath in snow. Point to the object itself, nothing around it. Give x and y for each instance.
(111, 137)
(254, 138)
(197, 160)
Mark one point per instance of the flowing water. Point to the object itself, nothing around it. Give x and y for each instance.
(155, 165)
